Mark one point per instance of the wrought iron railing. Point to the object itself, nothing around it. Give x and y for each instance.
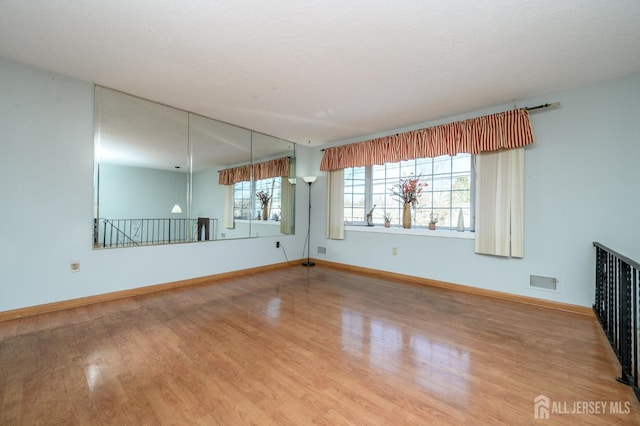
(138, 232)
(617, 308)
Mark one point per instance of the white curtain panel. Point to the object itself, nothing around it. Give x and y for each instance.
(335, 204)
(228, 207)
(500, 203)
(286, 207)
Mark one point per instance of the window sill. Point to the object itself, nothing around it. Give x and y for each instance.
(258, 222)
(438, 233)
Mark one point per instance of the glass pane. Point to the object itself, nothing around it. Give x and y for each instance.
(441, 183)
(448, 190)
(379, 187)
(461, 182)
(358, 187)
(443, 216)
(426, 199)
(441, 199)
(424, 167)
(270, 187)
(461, 163)
(422, 216)
(358, 173)
(392, 170)
(460, 199)
(442, 165)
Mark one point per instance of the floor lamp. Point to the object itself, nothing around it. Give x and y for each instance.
(309, 180)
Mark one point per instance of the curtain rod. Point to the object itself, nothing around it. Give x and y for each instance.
(250, 163)
(543, 106)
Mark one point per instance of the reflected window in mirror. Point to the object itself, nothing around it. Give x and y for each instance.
(270, 187)
(248, 204)
(242, 199)
(268, 197)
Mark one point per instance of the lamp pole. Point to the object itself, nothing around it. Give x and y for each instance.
(309, 180)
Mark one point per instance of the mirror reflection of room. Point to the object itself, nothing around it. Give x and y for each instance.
(159, 175)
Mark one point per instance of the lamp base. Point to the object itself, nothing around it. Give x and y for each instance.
(308, 263)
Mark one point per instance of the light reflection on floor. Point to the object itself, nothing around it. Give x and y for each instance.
(384, 345)
(92, 372)
(273, 308)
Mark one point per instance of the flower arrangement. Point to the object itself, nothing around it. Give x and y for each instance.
(386, 216)
(264, 198)
(408, 190)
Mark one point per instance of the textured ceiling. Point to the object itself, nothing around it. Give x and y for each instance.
(330, 70)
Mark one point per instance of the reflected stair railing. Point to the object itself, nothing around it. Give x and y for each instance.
(137, 232)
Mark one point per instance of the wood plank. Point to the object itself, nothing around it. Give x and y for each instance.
(460, 288)
(138, 291)
(292, 346)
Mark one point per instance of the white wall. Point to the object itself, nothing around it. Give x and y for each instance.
(582, 168)
(582, 184)
(135, 192)
(46, 204)
(208, 196)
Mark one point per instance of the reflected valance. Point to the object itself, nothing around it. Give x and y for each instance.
(264, 170)
(505, 130)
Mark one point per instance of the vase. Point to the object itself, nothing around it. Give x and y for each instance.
(432, 226)
(406, 216)
(387, 224)
(265, 212)
(460, 227)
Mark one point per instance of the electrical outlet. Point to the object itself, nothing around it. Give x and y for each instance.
(394, 251)
(75, 266)
(277, 244)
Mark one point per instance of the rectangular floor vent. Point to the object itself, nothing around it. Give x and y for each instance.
(543, 283)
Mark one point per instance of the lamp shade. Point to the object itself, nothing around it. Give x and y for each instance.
(309, 179)
(176, 209)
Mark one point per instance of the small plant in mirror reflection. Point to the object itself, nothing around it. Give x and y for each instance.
(264, 198)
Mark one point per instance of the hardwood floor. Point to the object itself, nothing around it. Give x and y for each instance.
(308, 346)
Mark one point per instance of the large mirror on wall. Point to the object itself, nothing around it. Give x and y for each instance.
(165, 176)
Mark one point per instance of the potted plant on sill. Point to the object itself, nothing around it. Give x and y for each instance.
(432, 221)
(386, 216)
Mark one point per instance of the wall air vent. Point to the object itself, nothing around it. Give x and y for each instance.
(543, 283)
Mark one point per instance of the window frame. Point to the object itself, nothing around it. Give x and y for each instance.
(251, 203)
(453, 210)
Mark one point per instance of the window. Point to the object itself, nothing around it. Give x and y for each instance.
(449, 189)
(242, 200)
(245, 201)
(272, 187)
(354, 195)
